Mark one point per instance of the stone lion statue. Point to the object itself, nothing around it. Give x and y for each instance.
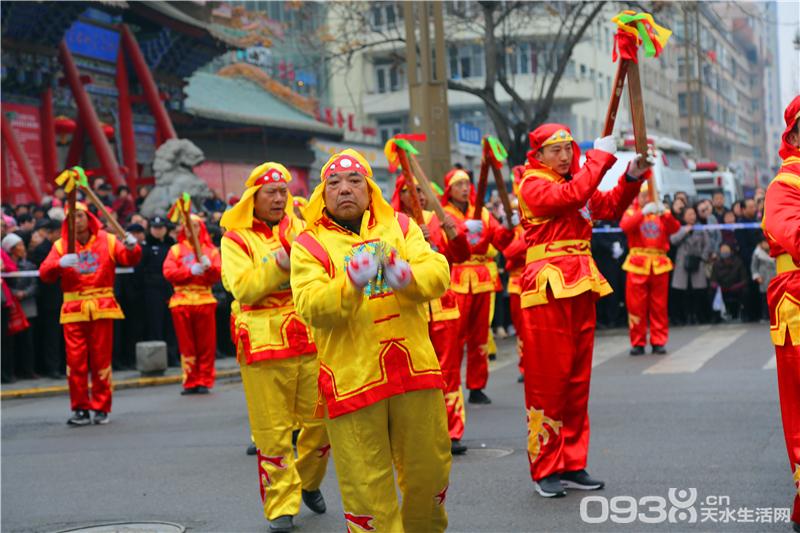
(172, 167)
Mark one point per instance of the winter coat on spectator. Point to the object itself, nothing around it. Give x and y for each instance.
(762, 265)
(28, 286)
(690, 243)
(728, 273)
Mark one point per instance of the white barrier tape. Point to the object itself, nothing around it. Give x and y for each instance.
(35, 273)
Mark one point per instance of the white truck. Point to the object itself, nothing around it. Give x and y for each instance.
(671, 170)
(709, 178)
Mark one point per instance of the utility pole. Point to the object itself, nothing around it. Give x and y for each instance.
(698, 48)
(687, 73)
(427, 84)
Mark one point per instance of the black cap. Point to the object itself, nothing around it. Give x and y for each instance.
(105, 187)
(158, 222)
(134, 227)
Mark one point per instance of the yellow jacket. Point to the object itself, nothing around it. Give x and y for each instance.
(373, 344)
(266, 324)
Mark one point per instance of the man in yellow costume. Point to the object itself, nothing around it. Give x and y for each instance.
(277, 356)
(362, 276)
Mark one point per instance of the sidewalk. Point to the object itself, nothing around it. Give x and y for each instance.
(227, 368)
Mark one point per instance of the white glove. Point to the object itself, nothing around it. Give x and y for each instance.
(205, 261)
(68, 261)
(474, 226)
(634, 169)
(130, 241)
(397, 273)
(197, 269)
(362, 269)
(606, 144)
(650, 208)
(515, 219)
(282, 258)
(660, 208)
(616, 250)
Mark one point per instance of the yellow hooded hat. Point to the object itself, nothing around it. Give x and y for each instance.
(240, 216)
(347, 160)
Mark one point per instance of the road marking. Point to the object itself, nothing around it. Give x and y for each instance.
(772, 363)
(698, 352)
(611, 347)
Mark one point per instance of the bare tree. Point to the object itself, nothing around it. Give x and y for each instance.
(552, 29)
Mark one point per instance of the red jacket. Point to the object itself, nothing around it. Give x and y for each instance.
(474, 275)
(557, 216)
(89, 290)
(456, 251)
(782, 228)
(648, 240)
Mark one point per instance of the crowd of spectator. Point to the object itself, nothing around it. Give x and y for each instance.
(719, 275)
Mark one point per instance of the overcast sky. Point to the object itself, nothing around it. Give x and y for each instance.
(789, 15)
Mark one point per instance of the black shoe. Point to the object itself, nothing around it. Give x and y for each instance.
(251, 450)
(314, 500)
(796, 526)
(201, 390)
(637, 350)
(492, 357)
(80, 418)
(456, 448)
(580, 480)
(55, 375)
(521, 378)
(477, 396)
(659, 349)
(189, 391)
(282, 524)
(100, 417)
(550, 487)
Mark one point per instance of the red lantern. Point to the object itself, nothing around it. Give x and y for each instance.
(65, 127)
(108, 130)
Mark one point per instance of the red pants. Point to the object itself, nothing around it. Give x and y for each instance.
(444, 336)
(195, 327)
(89, 346)
(474, 331)
(788, 358)
(516, 320)
(646, 298)
(558, 368)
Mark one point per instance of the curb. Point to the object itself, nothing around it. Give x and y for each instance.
(136, 383)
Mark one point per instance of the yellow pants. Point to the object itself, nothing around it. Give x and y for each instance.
(409, 432)
(281, 395)
(491, 347)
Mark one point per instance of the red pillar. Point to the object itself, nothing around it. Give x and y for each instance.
(75, 153)
(88, 117)
(19, 157)
(126, 123)
(49, 154)
(154, 102)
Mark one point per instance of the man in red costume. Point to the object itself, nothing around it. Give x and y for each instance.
(647, 225)
(782, 229)
(194, 307)
(560, 284)
(472, 280)
(87, 279)
(443, 325)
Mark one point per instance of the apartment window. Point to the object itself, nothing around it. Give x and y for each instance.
(583, 71)
(569, 72)
(519, 62)
(384, 15)
(389, 130)
(682, 104)
(389, 77)
(466, 61)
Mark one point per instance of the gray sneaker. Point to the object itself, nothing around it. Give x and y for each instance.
(314, 501)
(581, 480)
(282, 524)
(550, 487)
(80, 418)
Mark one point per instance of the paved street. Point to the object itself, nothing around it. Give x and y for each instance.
(704, 417)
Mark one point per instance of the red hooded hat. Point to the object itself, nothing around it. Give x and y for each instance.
(202, 235)
(791, 115)
(456, 175)
(550, 134)
(399, 185)
(94, 223)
